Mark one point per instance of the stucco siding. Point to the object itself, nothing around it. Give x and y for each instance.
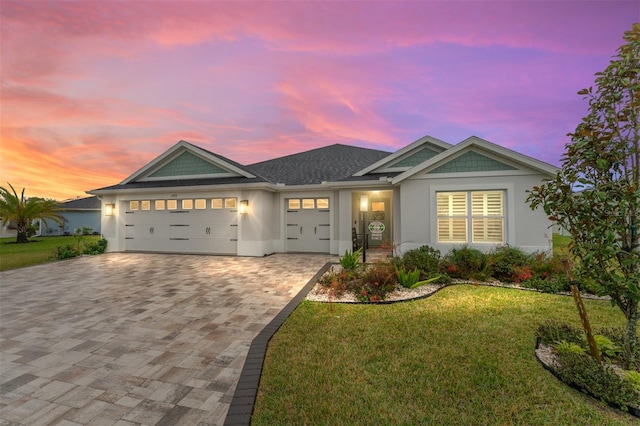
(524, 228)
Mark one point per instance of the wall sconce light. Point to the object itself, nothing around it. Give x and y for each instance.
(364, 203)
(109, 209)
(244, 206)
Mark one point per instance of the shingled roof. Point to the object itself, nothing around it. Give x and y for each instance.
(86, 203)
(331, 163)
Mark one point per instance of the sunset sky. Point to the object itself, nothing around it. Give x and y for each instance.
(93, 90)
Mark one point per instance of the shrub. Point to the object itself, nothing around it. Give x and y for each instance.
(564, 347)
(600, 380)
(378, 280)
(425, 259)
(466, 262)
(616, 335)
(507, 264)
(66, 252)
(337, 283)
(95, 247)
(545, 266)
(549, 285)
(606, 347)
(634, 378)
(550, 333)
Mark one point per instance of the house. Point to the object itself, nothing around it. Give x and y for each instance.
(78, 214)
(190, 200)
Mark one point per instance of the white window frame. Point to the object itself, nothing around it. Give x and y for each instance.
(509, 221)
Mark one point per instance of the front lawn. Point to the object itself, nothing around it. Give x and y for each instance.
(38, 250)
(462, 356)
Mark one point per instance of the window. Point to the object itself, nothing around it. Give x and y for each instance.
(134, 205)
(482, 223)
(230, 203)
(322, 203)
(452, 217)
(145, 205)
(216, 203)
(377, 206)
(487, 216)
(159, 205)
(172, 204)
(294, 204)
(187, 204)
(308, 203)
(201, 203)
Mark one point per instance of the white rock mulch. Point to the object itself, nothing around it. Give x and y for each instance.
(321, 294)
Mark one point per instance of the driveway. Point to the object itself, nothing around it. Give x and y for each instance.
(136, 339)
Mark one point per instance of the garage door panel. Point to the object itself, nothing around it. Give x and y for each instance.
(208, 230)
(308, 230)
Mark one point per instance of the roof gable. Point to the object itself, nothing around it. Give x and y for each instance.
(476, 155)
(187, 161)
(472, 161)
(411, 155)
(185, 164)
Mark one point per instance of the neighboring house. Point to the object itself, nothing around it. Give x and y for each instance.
(79, 213)
(190, 200)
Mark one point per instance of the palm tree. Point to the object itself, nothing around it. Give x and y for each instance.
(23, 211)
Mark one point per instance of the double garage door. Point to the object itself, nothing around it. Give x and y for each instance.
(182, 226)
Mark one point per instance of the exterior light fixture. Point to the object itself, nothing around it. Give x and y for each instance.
(364, 203)
(244, 206)
(109, 209)
(364, 208)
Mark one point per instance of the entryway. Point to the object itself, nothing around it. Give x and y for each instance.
(372, 214)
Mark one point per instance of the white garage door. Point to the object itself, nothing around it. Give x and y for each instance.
(182, 226)
(308, 227)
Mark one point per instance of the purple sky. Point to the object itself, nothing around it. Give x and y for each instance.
(92, 91)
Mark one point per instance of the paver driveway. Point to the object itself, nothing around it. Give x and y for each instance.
(131, 338)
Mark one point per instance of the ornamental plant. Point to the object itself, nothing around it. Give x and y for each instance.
(596, 193)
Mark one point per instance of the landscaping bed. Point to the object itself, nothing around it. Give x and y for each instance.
(462, 356)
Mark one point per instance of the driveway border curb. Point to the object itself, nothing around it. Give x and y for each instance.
(244, 397)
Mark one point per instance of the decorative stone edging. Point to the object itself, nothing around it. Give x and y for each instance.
(244, 397)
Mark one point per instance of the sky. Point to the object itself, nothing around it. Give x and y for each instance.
(91, 91)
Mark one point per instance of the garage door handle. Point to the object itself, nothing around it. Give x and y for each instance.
(315, 229)
(151, 230)
(301, 229)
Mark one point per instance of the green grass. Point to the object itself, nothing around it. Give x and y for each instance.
(464, 356)
(38, 250)
(561, 244)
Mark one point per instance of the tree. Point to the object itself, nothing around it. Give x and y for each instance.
(22, 211)
(596, 193)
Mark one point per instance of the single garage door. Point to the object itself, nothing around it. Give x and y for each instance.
(182, 226)
(308, 227)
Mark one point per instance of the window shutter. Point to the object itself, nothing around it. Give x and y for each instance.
(488, 216)
(452, 217)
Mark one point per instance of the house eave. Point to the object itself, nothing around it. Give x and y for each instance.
(190, 188)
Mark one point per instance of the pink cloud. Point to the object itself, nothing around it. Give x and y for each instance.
(100, 88)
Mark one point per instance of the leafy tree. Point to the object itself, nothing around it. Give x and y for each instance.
(22, 211)
(596, 193)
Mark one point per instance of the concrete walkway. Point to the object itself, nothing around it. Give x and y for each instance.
(136, 339)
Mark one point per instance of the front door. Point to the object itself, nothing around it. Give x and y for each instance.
(378, 222)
